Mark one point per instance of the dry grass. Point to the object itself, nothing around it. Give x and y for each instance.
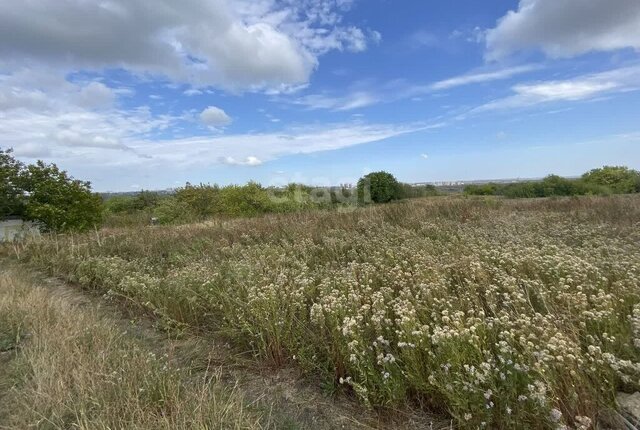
(63, 365)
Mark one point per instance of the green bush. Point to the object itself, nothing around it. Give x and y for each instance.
(620, 179)
(378, 187)
(408, 191)
(203, 199)
(246, 200)
(489, 189)
(173, 210)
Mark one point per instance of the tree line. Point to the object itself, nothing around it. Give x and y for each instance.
(199, 202)
(53, 199)
(603, 181)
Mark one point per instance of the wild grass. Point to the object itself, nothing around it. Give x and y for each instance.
(501, 314)
(65, 366)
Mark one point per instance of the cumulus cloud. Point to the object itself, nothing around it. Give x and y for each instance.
(566, 28)
(43, 114)
(96, 95)
(214, 117)
(46, 116)
(232, 44)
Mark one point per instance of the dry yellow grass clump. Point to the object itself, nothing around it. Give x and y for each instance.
(502, 314)
(62, 365)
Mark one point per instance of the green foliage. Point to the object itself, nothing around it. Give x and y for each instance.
(489, 189)
(619, 179)
(604, 181)
(408, 191)
(145, 200)
(378, 187)
(43, 193)
(119, 204)
(201, 199)
(11, 196)
(57, 201)
(245, 200)
(174, 210)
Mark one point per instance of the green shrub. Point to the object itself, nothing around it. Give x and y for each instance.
(408, 191)
(378, 187)
(203, 199)
(246, 200)
(489, 189)
(619, 179)
(173, 210)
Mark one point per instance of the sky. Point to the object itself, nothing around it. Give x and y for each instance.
(142, 94)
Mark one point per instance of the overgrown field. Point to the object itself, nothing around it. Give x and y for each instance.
(502, 314)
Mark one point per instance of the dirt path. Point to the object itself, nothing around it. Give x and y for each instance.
(290, 401)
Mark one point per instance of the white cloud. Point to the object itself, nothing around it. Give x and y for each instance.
(248, 161)
(252, 149)
(566, 28)
(578, 88)
(192, 92)
(214, 117)
(231, 44)
(423, 38)
(96, 95)
(425, 156)
(353, 100)
(44, 115)
(482, 76)
(367, 94)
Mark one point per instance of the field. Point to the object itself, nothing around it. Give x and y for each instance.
(492, 313)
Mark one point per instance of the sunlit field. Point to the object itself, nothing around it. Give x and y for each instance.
(495, 313)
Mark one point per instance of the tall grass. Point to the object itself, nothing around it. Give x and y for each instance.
(64, 366)
(502, 314)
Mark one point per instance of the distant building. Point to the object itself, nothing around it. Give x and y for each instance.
(15, 228)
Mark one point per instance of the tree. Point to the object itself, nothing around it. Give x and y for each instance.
(57, 201)
(619, 179)
(11, 196)
(378, 187)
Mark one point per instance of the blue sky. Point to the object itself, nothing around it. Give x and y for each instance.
(152, 94)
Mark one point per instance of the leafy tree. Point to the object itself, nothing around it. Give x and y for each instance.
(619, 179)
(11, 196)
(378, 187)
(57, 201)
